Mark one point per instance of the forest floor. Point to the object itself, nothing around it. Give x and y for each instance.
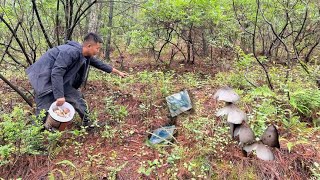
(126, 151)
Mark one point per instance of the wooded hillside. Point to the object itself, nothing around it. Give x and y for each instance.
(266, 51)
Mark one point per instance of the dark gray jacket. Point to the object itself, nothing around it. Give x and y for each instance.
(59, 66)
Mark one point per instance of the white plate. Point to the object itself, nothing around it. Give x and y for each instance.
(59, 118)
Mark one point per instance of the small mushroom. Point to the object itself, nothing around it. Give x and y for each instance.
(66, 110)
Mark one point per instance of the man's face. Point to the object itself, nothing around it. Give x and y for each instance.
(94, 48)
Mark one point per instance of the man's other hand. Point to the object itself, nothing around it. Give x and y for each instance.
(60, 101)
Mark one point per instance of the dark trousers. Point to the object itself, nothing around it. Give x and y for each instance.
(72, 96)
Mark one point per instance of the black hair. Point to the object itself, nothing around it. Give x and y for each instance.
(92, 37)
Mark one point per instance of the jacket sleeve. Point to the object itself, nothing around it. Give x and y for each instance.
(100, 65)
(62, 62)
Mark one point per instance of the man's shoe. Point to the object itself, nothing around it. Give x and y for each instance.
(87, 124)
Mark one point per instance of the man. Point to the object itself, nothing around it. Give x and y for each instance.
(57, 74)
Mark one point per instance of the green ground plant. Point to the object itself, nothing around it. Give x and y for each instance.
(21, 135)
(108, 132)
(117, 112)
(306, 102)
(114, 170)
(149, 167)
(199, 167)
(315, 169)
(58, 171)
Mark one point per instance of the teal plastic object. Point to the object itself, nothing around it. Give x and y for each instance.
(161, 134)
(179, 103)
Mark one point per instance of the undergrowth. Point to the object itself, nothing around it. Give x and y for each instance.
(203, 148)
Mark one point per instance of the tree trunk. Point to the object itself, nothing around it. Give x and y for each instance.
(93, 23)
(68, 18)
(58, 24)
(188, 51)
(189, 44)
(204, 44)
(109, 26)
(192, 48)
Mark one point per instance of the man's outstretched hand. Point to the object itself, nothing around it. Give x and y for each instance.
(122, 74)
(60, 101)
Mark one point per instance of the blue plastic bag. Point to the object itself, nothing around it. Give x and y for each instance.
(161, 134)
(178, 103)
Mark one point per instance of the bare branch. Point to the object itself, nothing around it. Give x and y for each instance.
(239, 21)
(10, 41)
(34, 5)
(16, 38)
(16, 90)
(77, 20)
(254, 46)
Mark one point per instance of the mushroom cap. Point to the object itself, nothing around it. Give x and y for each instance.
(226, 94)
(271, 137)
(246, 135)
(235, 115)
(263, 152)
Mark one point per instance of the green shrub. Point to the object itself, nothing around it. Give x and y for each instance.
(306, 101)
(18, 136)
(231, 79)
